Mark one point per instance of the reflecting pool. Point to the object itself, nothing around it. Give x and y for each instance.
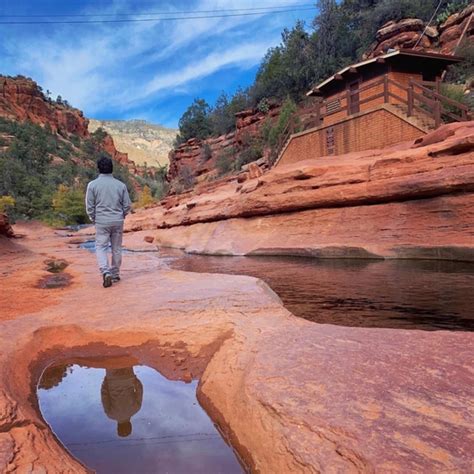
(131, 419)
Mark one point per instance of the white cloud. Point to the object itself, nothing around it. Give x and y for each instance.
(115, 66)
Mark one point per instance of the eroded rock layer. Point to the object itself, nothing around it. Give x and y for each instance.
(292, 396)
(412, 33)
(22, 99)
(415, 199)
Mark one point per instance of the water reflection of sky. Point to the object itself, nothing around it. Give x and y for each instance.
(171, 433)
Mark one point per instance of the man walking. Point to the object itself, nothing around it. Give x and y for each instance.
(107, 204)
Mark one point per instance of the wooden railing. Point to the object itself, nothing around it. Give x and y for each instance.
(421, 96)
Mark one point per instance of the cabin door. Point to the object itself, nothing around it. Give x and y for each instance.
(354, 105)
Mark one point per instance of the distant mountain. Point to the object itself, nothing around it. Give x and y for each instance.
(144, 142)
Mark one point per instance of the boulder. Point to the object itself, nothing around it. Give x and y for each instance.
(5, 227)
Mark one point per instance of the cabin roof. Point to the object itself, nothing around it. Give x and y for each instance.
(434, 58)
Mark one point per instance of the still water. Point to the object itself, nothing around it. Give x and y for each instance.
(405, 294)
(132, 420)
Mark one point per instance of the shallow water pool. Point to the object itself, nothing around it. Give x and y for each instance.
(132, 420)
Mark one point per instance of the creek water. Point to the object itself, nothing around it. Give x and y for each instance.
(406, 294)
(132, 420)
(403, 294)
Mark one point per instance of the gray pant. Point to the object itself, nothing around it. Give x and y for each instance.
(105, 234)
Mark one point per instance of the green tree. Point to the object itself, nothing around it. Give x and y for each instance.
(68, 204)
(196, 121)
(145, 198)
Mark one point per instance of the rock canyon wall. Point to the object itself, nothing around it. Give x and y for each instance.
(414, 33)
(414, 200)
(22, 99)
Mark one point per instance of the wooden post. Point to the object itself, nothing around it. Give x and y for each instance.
(318, 113)
(437, 112)
(348, 100)
(410, 99)
(385, 88)
(438, 85)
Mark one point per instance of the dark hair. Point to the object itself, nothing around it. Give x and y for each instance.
(105, 165)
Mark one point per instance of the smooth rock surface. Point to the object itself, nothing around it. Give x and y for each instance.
(292, 396)
(412, 200)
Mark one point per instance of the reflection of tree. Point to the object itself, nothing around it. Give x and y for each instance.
(53, 376)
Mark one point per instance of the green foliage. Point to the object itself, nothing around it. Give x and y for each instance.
(452, 7)
(464, 71)
(454, 92)
(287, 113)
(196, 121)
(206, 152)
(29, 175)
(263, 106)
(223, 113)
(68, 205)
(186, 178)
(99, 134)
(145, 198)
(157, 184)
(225, 161)
(6, 203)
(253, 151)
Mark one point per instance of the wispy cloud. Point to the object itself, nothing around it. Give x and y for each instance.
(115, 68)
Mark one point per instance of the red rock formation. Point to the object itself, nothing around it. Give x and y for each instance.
(406, 33)
(22, 99)
(407, 196)
(199, 157)
(452, 29)
(5, 227)
(292, 396)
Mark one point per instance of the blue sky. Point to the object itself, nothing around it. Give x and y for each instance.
(146, 70)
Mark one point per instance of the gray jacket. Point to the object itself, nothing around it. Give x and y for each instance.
(107, 200)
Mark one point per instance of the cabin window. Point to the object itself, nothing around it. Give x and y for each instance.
(333, 106)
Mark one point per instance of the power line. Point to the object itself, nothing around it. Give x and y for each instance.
(140, 20)
(88, 15)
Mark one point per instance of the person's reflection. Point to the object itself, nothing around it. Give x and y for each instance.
(122, 395)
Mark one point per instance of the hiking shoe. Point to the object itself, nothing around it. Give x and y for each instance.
(115, 279)
(107, 280)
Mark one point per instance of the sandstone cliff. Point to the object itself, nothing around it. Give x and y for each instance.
(22, 99)
(144, 142)
(407, 34)
(411, 200)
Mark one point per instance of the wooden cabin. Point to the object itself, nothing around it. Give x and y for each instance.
(376, 103)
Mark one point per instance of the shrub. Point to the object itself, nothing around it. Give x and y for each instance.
(6, 202)
(206, 152)
(145, 198)
(286, 114)
(263, 106)
(253, 152)
(454, 92)
(68, 205)
(464, 71)
(224, 161)
(451, 8)
(186, 178)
